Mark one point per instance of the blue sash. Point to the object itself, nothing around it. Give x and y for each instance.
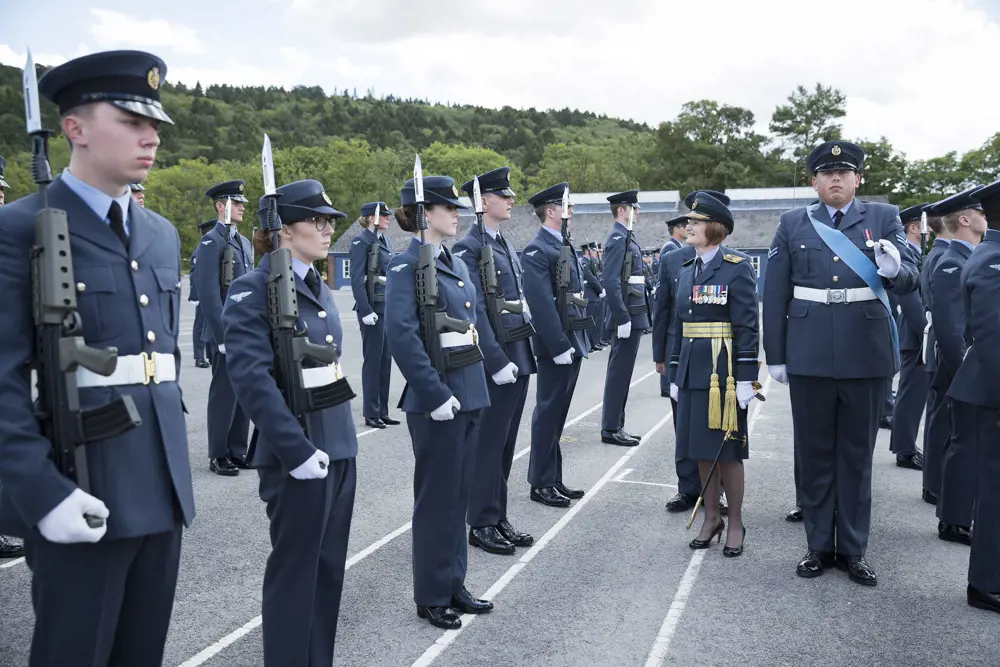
(856, 261)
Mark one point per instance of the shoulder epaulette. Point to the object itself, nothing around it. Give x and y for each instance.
(735, 259)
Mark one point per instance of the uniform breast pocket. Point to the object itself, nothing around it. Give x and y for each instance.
(806, 256)
(96, 294)
(166, 281)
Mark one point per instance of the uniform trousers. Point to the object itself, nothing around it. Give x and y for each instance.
(376, 370)
(228, 426)
(102, 605)
(554, 387)
(957, 499)
(836, 423)
(984, 559)
(445, 457)
(937, 432)
(495, 452)
(197, 344)
(621, 363)
(910, 402)
(304, 576)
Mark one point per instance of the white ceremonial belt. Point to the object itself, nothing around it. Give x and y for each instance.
(133, 369)
(846, 295)
(322, 376)
(923, 342)
(636, 280)
(455, 339)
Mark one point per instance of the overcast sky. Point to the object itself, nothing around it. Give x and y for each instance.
(919, 72)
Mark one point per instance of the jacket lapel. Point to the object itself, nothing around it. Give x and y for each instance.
(83, 223)
(303, 289)
(709, 269)
(141, 230)
(854, 215)
(444, 267)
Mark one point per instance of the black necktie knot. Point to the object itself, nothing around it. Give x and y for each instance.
(312, 280)
(117, 222)
(697, 267)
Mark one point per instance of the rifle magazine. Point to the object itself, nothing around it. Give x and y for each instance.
(331, 395)
(109, 421)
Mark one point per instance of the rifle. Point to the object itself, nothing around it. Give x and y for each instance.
(228, 255)
(496, 305)
(923, 235)
(289, 337)
(565, 297)
(59, 346)
(371, 268)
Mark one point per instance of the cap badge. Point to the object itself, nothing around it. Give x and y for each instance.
(326, 198)
(242, 186)
(835, 150)
(455, 191)
(153, 77)
(694, 204)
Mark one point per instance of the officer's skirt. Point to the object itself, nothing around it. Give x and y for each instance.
(698, 442)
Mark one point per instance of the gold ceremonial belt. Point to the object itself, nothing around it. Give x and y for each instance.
(707, 330)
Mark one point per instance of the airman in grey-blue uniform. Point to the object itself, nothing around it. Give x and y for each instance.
(101, 595)
(224, 255)
(829, 334)
(626, 293)
(370, 253)
(10, 547)
(202, 352)
(593, 291)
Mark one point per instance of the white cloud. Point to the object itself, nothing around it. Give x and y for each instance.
(115, 30)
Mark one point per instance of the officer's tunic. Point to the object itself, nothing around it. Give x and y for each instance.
(839, 357)
(228, 426)
(977, 384)
(912, 395)
(444, 451)
(115, 596)
(498, 434)
(197, 344)
(555, 383)
(724, 292)
(937, 424)
(627, 303)
(377, 367)
(310, 520)
(592, 291)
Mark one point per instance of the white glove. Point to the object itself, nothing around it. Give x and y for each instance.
(447, 411)
(603, 294)
(195, 303)
(674, 391)
(315, 467)
(887, 258)
(564, 358)
(625, 330)
(744, 393)
(65, 523)
(370, 319)
(222, 348)
(779, 372)
(506, 375)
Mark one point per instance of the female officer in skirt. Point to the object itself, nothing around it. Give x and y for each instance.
(715, 365)
(308, 486)
(443, 399)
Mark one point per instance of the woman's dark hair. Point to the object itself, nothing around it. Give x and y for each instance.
(263, 242)
(406, 217)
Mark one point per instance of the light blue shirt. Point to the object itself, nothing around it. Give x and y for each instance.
(913, 245)
(708, 256)
(556, 233)
(99, 202)
(232, 228)
(832, 211)
(966, 244)
(495, 232)
(300, 267)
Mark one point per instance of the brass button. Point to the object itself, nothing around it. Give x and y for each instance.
(322, 314)
(135, 265)
(144, 300)
(461, 284)
(836, 259)
(836, 279)
(468, 305)
(81, 287)
(150, 336)
(329, 338)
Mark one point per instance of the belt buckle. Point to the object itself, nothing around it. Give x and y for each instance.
(836, 296)
(149, 369)
(475, 334)
(336, 371)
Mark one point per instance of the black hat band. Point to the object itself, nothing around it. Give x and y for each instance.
(125, 88)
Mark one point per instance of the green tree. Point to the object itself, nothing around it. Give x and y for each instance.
(808, 119)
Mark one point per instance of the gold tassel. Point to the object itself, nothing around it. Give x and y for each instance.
(714, 403)
(729, 422)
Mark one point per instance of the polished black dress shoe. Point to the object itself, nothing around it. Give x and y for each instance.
(11, 547)
(490, 540)
(516, 538)
(618, 437)
(959, 534)
(858, 570)
(549, 496)
(374, 423)
(928, 497)
(631, 435)
(980, 600)
(885, 422)
(240, 462)
(716, 535)
(223, 466)
(813, 564)
(389, 421)
(441, 617)
(913, 461)
(682, 502)
(202, 363)
(795, 515)
(465, 603)
(733, 552)
(572, 494)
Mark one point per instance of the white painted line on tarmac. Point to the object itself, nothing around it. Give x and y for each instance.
(631, 481)
(450, 636)
(666, 634)
(12, 563)
(623, 475)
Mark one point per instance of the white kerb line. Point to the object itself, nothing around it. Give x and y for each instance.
(450, 636)
(209, 652)
(14, 562)
(666, 634)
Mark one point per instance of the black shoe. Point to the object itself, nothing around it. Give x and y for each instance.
(202, 363)
(794, 516)
(682, 502)
(549, 496)
(716, 535)
(885, 422)
(223, 466)
(618, 437)
(572, 494)
(858, 570)
(516, 538)
(980, 600)
(723, 506)
(490, 540)
(465, 603)
(813, 564)
(913, 461)
(374, 422)
(11, 547)
(240, 462)
(959, 534)
(733, 552)
(389, 421)
(632, 435)
(928, 497)
(441, 617)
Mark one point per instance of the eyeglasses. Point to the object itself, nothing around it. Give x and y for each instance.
(320, 223)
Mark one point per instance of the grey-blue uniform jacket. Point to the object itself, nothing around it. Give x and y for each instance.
(911, 313)
(126, 299)
(510, 286)
(250, 360)
(540, 259)
(207, 280)
(947, 311)
(977, 381)
(614, 256)
(192, 288)
(360, 246)
(933, 257)
(665, 327)
(426, 390)
(592, 286)
(836, 340)
(725, 291)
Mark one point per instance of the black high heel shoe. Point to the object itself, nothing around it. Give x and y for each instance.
(716, 534)
(733, 552)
